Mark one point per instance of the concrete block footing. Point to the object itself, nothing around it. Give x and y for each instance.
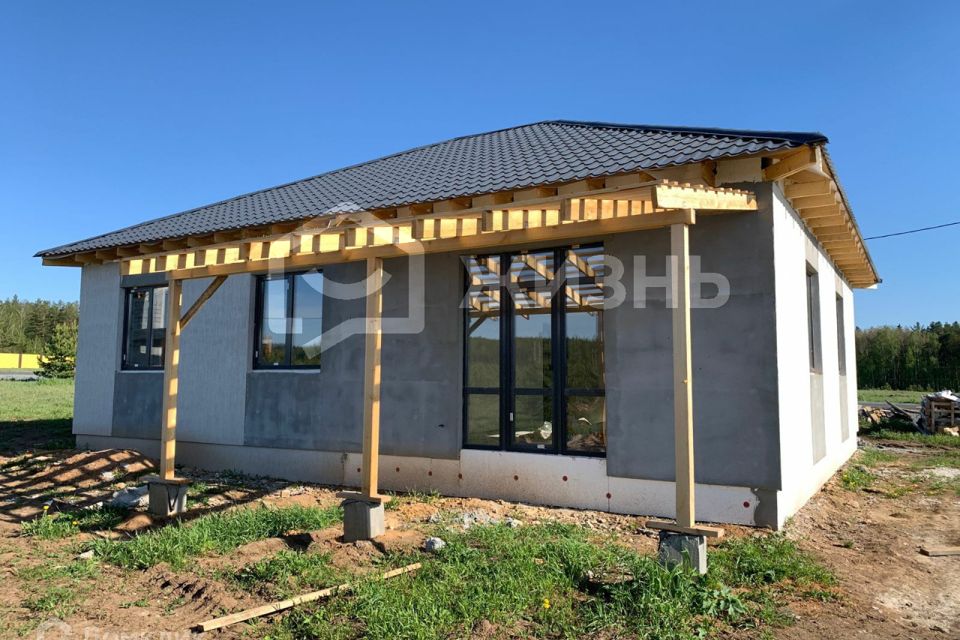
(167, 498)
(362, 520)
(679, 548)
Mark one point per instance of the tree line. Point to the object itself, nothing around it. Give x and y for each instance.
(915, 358)
(28, 327)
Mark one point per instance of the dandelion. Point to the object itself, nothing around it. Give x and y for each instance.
(46, 507)
(76, 522)
(546, 603)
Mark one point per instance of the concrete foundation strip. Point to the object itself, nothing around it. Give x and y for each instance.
(274, 607)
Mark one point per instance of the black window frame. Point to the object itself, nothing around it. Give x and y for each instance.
(124, 356)
(508, 388)
(287, 365)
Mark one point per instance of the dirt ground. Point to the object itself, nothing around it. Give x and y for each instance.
(868, 536)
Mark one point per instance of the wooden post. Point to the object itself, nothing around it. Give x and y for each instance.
(171, 377)
(371, 379)
(682, 376)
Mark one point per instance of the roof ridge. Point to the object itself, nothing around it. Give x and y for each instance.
(814, 136)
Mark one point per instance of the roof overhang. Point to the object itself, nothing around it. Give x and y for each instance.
(594, 206)
(580, 210)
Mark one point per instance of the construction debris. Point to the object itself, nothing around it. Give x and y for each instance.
(940, 413)
(433, 544)
(940, 551)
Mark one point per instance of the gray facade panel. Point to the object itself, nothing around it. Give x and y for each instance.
(101, 313)
(215, 355)
(319, 409)
(138, 404)
(734, 359)
(422, 372)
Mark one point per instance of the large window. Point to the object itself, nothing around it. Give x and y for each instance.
(534, 352)
(144, 328)
(289, 321)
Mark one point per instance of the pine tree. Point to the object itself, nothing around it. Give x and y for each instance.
(60, 353)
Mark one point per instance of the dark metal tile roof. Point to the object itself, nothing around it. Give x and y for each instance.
(515, 158)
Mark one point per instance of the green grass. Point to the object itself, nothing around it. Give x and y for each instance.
(536, 580)
(36, 414)
(856, 478)
(212, 533)
(287, 573)
(48, 526)
(35, 400)
(876, 457)
(893, 395)
(54, 588)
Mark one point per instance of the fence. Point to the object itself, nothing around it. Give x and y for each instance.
(19, 361)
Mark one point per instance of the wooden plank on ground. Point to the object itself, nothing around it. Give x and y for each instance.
(274, 607)
(940, 551)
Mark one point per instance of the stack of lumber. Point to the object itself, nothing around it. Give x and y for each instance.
(940, 413)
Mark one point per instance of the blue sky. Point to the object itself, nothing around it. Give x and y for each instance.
(112, 113)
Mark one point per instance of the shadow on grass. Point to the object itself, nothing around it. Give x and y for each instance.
(20, 436)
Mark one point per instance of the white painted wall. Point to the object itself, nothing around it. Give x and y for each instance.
(793, 248)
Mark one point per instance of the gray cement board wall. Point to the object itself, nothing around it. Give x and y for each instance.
(137, 404)
(423, 373)
(215, 354)
(224, 401)
(734, 359)
(420, 395)
(313, 409)
(101, 311)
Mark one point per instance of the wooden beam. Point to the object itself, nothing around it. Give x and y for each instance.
(128, 252)
(807, 189)
(174, 244)
(804, 158)
(815, 201)
(171, 380)
(827, 211)
(686, 196)
(696, 530)
(516, 238)
(371, 380)
(682, 377)
(209, 291)
(67, 261)
(282, 605)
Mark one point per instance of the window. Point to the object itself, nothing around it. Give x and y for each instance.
(813, 319)
(289, 321)
(841, 337)
(533, 343)
(144, 327)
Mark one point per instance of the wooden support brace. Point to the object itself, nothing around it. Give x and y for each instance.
(209, 291)
(171, 375)
(682, 376)
(371, 380)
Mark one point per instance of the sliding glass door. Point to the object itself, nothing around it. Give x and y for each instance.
(534, 352)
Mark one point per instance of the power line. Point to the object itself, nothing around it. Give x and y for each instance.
(903, 233)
